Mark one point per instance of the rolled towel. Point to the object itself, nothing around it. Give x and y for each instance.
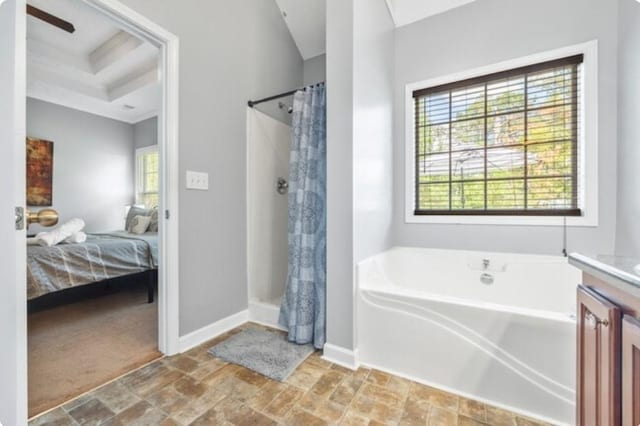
(72, 226)
(48, 238)
(61, 233)
(76, 238)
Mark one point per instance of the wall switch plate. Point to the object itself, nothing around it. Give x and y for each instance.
(197, 180)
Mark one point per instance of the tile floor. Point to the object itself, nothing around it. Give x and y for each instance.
(196, 389)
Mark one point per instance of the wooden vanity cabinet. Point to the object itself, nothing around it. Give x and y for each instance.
(599, 338)
(630, 371)
(608, 356)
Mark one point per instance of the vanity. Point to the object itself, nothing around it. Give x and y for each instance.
(608, 351)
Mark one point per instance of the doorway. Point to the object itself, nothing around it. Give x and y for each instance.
(13, 66)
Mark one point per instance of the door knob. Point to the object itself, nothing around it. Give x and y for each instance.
(45, 217)
(594, 322)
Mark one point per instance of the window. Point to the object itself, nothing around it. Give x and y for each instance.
(147, 176)
(506, 143)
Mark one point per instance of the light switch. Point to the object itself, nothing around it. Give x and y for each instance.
(197, 180)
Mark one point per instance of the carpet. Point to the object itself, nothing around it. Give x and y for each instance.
(76, 347)
(265, 352)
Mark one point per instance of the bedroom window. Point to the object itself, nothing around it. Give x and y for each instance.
(509, 141)
(147, 176)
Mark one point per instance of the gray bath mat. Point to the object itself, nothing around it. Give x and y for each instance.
(262, 351)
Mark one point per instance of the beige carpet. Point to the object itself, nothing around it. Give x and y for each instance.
(77, 347)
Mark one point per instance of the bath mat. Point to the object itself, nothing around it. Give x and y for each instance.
(265, 352)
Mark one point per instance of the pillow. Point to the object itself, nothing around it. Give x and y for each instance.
(153, 225)
(139, 224)
(133, 212)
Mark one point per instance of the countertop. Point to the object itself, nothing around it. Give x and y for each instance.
(624, 272)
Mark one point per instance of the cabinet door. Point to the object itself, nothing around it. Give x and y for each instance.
(630, 371)
(598, 382)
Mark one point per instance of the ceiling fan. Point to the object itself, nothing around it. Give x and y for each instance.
(50, 19)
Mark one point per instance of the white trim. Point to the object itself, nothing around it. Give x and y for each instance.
(212, 331)
(144, 117)
(168, 276)
(341, 356)
(465, 395)
(589, 146)
(265, 314)
(20, 81)
(147, 149)
(392, 12)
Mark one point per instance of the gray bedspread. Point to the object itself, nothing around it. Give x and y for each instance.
(101, 257)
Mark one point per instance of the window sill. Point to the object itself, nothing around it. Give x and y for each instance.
(583, 221)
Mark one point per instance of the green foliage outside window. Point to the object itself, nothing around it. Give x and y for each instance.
(507, 144)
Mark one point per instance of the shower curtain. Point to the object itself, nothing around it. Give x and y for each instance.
(304, 302)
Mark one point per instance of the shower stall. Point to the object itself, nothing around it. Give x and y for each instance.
(287, 220)
(268, 147)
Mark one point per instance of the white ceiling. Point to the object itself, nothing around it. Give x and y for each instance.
(407, 11)
(306, 20)
(99, 68)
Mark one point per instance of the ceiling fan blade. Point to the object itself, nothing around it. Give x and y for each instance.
(50, 19)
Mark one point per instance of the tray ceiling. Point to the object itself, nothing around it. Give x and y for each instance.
(99, 68)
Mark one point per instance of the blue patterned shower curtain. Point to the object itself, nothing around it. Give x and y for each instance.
(304, 304)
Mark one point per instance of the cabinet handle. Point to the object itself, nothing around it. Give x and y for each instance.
(594, 322)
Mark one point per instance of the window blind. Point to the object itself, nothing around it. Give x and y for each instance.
(501, 144)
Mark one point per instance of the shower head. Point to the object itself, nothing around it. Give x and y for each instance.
(283, 106)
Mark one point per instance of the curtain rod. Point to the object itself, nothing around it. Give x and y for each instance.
(281, 95)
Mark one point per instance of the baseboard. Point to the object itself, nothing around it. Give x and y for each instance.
(265, 314)
(212, 331)
(341, 356)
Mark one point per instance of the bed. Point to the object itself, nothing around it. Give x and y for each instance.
(102, 257)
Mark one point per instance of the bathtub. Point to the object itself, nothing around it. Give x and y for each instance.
(495, 327)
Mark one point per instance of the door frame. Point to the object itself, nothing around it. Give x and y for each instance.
(13, 318)
(168, 270)
(168, 274)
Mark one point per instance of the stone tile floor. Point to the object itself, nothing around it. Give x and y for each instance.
(195, 388)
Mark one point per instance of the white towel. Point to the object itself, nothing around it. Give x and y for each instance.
(72, 226)
(61, 233)
(76, 238)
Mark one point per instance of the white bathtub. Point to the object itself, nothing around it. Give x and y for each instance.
(426, 315)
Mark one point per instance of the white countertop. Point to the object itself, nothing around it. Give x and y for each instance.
(621, 268)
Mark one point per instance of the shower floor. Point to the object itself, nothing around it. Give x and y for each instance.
(265, 312)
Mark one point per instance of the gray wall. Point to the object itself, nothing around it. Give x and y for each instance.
(486, 32)
(340, 176)
(92, 164)
(360, 135)
(628, 235)
(145, 133)
(372, 127)
(230, 52)
(277, 61)
(314, 70)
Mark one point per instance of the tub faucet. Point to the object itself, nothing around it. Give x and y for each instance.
(485, 264)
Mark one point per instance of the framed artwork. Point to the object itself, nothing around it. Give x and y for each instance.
(39, 172)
